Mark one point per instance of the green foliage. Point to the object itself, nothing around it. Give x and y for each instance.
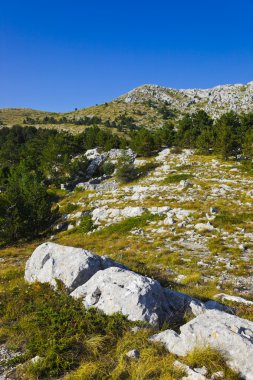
(248, 143)
(57, 328)
(143, 142)
(96, 137)
(191, 128)
(226, 219)
(229, 139)
(126, 171)
(108, 168)
(86, 223)
(69, 208)
(146, 168)
(175, 178)
(129, 224)
(25, 207)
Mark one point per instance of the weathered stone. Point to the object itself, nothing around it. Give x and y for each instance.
(232, 335)
(137, 297)
(228, 297)
(133, 354)
(204, 226)
(73, 266)
(191, 374)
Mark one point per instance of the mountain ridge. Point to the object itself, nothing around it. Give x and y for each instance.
(147, 105)
(232, 97)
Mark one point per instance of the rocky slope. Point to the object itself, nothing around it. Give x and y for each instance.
(214, 101)
(198, 211)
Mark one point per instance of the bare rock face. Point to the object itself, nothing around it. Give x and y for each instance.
(73, 266)
(215, 101)
(118, 290)
(96, 159)
(231, 335)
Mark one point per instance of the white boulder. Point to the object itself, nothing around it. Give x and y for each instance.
(228, 297)
(204, 227)
(231, 335)
(116, 290)
(73, 266)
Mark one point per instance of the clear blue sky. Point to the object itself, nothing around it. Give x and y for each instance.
(59, 54)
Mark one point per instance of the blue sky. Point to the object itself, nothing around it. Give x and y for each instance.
(57, 55)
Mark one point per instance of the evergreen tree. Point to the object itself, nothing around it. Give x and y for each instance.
(25, 206)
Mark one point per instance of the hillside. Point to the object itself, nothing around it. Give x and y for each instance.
(148, 106)
(127, 253)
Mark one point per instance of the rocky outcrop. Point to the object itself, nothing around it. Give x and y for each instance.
(116, 290)
(231, 335)
(73, 266)
(215, 101)
(96, 159)
(110, 286)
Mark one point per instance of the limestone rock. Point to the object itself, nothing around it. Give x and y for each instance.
(133, 354)
(184, 184)
(204, 227)
(73, 266)
(115, 154)
(191, 374)
(118, 290)
(228, 297)
(232, 335)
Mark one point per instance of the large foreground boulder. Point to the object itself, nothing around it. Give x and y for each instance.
(118, 290)
(231, 335)
(73, 266)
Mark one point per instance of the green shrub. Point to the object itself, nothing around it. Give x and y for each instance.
(69, 208)
(86, 223)
(175, 178)
(226, 219)
(126, 172)
(108, 168)
(54, 326)
(128, 224)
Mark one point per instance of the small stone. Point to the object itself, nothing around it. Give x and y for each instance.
(36, 359)
(214, 210)
(135, 329)
(133, 354)
(202, 371)
(217, 375)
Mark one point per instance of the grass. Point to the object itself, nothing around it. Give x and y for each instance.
(212, 359)
(176, 178)
(229, 221)
(128, 224)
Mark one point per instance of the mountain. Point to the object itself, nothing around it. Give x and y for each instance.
(147, 105)
(214, 101)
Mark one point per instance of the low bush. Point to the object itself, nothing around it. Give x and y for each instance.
(86, 223)
(69, 208)
(57, 328)
(108, 168)
(175, 178)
